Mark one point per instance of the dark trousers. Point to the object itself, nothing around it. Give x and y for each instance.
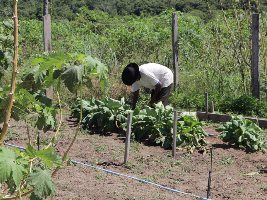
(163, 95)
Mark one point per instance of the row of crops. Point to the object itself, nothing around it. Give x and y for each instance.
(154, 125)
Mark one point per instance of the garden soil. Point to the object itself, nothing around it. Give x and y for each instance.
(235, 173)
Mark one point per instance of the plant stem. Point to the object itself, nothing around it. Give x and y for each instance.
(14, 73)
(64, 158)
(53, 140)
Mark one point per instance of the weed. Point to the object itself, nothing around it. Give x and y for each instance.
(101, 148)
(135, 146)
(227, 160)
(12, 135)
(176, 163)
(129, 165)
(99, 176)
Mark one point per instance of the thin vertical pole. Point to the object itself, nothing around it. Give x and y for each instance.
(128, 137)
(255, 49)
(47, 38)
(212, 107)
(175, 50)
(47, 27)
(210, 171)
(206, 102)
(38, 140)
(46, 8)
(174, 133)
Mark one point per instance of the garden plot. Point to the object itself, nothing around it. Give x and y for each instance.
(235, 172)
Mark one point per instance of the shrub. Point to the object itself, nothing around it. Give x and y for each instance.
(245, 105)
(243, 133)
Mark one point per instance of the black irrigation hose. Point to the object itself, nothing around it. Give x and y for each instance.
(125, 175)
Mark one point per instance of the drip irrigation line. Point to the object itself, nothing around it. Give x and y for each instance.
(125, 175)
(139, 179)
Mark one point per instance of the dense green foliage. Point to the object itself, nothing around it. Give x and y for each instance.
(73, 70)
(245, 105)
(101, 116)
(153, 125)
(190, 133)
(22, 171)
(243, 133)
(150, 125)
(6, 51)
(214, 56)
(67, 9)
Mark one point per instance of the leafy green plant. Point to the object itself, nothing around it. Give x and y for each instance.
(25, 171)
(190, 133)
(71, 69)
(6, 51)
(107, 115)
(242, 133)
(185, 101)
(150, 125)
(35, 109)
(153, 125)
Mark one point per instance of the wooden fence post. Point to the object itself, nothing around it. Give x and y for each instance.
(47, 33)
(174, 133)
(128, 137)
(255, 48)
(206, 102)
(47, 38)
(46, 26)
(175, 50)
(212, 107)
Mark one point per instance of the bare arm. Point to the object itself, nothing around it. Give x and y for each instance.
(135, 99)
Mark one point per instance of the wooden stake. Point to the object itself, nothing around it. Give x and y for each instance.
(210, 172)
(128, 137)
(207, 102)
(174, 133)
(212, 107)
(255, 49)
(175, 50)
(47, 33)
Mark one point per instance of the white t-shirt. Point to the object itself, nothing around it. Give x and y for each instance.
(151, 74)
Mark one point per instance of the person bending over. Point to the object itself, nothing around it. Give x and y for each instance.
(156, 77)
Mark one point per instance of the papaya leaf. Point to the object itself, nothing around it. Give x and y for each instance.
(9, 168)
(72, 77)
(49, 157)
(41, 181)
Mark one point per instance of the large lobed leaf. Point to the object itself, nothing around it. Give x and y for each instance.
(48, 156)
(42, 182)
(9, 167)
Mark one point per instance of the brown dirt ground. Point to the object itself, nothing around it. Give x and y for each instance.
(235, 172)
